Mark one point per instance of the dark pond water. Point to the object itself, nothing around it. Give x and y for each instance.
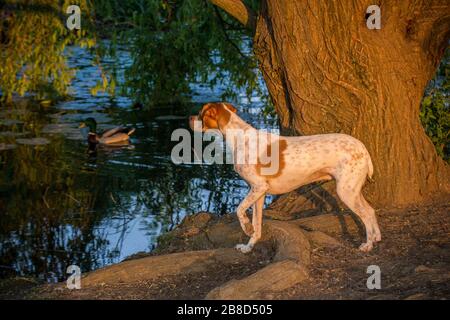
(60, 205)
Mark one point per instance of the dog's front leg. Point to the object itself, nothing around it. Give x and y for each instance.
(251, 198)
(257, 220)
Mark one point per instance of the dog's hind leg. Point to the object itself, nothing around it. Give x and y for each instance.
(348, 188)
(371, 211)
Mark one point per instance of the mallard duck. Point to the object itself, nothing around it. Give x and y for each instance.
(112, 136)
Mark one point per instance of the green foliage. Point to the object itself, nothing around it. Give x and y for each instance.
(33, 37)
(172, 43)
(435, 109)
(175, 43)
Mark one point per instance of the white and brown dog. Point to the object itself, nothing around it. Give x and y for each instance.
(299, 160)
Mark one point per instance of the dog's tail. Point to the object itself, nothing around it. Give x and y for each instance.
(370, 165)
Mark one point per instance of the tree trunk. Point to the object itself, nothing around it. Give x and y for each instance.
(327, 72)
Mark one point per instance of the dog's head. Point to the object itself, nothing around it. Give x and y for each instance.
(213, 115)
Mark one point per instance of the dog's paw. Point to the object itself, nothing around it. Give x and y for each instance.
(377, 237)
(366, 246)
(244, 248)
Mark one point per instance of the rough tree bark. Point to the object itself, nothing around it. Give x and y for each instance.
(327, 72)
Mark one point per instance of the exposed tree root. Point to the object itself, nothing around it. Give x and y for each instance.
(160, 266)
(275, 277)
(292, 256)
(201, 239)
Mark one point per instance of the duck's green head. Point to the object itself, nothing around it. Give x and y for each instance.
(90, 123)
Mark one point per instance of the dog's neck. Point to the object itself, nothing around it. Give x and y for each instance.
(234, 131)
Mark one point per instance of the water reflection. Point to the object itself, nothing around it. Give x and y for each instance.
(60, 205)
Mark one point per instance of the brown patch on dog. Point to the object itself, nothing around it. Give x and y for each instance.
(282, 145)
(357, 156)
(216, 115)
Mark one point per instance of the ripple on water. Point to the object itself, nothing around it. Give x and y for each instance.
(69, 130)
(81, 105)
(10, 122)
(13, 134)
(80, 115)
(33, 141)
(6, 146)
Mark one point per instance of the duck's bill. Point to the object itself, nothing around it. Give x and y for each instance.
(82, 125)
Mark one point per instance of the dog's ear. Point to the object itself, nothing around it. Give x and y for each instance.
(216, 115)
(229, 106)
(207, 109)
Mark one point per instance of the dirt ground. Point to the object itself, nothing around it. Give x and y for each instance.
(414, 259)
